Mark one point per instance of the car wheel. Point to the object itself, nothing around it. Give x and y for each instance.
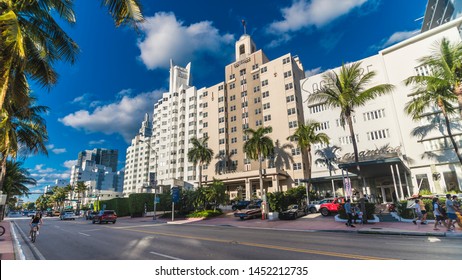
(113, 222)
(313, 210)
(242, 218)
(93, 222)
(324, 212)
(234, 208)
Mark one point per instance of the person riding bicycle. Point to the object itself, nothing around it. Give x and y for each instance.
(36, 220)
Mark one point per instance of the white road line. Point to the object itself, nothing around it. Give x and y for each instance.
(84, 234)
(165, 256)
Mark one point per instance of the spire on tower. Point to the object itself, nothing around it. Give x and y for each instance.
(243, 24)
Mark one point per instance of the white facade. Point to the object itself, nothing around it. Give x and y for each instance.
(383, 122)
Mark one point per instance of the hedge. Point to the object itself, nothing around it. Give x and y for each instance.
(120, 205)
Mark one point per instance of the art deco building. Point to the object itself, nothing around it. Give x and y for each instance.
(257, 92)
(395, 160)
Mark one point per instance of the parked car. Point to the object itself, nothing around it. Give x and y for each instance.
(56, 213)
(240, 205)
(331, 207)
(67, 215)
(251, 211)
(315, 206)
(293, 212)
(106, 216)
(31, 213)
(89, 215)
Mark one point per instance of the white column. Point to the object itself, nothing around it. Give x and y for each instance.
(394, 182)
(247, 189)
(399, 179)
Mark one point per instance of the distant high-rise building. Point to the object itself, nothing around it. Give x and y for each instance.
(104, 157)
(439, 12)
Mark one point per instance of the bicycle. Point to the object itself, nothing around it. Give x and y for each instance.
(33, 234)
(2, 230)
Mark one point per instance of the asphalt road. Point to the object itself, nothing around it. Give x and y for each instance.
(82, 240)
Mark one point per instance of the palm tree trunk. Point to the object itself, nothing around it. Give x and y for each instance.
(5, 79)
(454, 144)
(308, 184)
(3, 171)
(200, 174)
(355, 150)
(260, 175)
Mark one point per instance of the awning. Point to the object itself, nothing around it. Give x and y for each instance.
(375, 168)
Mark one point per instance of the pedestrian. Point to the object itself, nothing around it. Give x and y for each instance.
(439, 217)
(451, 212)
(423, 221)
(418, 212)
(347, 207)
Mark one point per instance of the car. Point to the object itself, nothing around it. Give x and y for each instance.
(67, 215)
(251, 211)
(12, 214)
(105, 216)
(331, 207)
(56, 213)
(240, 205)
(314, 206)
(89, 215)
(31, 213)
(293, 212)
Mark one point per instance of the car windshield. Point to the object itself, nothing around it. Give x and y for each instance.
(109, 213)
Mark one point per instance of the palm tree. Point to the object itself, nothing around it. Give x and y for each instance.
(80, 188)
(348, 91)
(328, 157)
(445, 67)
(427, 96)
(22, 131)
(258, 147)
(16, 180)
(216, 193)
(200, 154)
(32, 41)
(305, 136)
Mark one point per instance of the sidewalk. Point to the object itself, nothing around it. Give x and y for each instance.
(309, 223)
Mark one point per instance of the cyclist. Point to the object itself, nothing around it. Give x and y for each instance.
(36, 220)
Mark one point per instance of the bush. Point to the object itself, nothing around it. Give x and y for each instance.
(120, 205)
(205, 214)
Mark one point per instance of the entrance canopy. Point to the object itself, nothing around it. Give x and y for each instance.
(375, 168)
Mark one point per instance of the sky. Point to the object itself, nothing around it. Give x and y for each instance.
(101, 99)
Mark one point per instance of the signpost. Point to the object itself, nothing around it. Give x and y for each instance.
(153, 185)
(175, 199)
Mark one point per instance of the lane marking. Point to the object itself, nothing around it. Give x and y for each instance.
(259, 245)
(84, 234)
(165, 256)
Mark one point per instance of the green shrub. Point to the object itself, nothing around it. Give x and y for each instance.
(120, 205)
(205, 214)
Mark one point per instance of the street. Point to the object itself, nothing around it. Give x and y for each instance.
(128, 240)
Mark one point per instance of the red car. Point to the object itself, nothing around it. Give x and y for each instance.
(331, 207)
(106, 216)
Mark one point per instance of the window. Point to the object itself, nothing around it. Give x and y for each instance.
(234, 140)
(234, 151)
(203, 125)
(244, 94)
(221, 130)
(231, 86)
(267, 118)
(258, 123)
(263, 70)
(322, 126)
(266, 106)
(243, 82)
(221, 141)
(346, 140)
(296, 152)
(257, 111)
(297, 166)
(221, 109)
(242, 72)
(233, 118)
(245, 126)
(256, 76)
(317, 108)
(291, 111)
(289, 86)
(265, 94)
(232, 97)
(233, 129)
(221, 120)
(245, 115)
(286, 60)
(205, 114)
(287, 74)
(373, 115)
(232, 108)
(290, 98)
(231, 76)
(378, 134)
(264, 83)
(255, 66)
(256, 89)
(256, 100)
(245, 104)
(205, 93)
(293, 124)
(205, 105)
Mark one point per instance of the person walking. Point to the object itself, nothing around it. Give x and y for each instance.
(423, 210)
(451, 212)
(439, 217)
(418, 212)
(347, 207)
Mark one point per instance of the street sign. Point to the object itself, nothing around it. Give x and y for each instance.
(157, 200)
(152, 180)
(175, 194)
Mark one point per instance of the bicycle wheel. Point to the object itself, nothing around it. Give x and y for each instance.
(33, 235)
(2, 230)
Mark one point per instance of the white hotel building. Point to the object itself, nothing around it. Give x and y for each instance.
(409, 163)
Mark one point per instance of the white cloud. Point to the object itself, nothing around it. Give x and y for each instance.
(59, 151)
(312, 72)
(399, 36)
(304, 13)
(69, 163)
(97, 142)
(47, 176)
(167, 38)
(122, 117)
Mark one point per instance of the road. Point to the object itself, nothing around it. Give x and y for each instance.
(126, 240)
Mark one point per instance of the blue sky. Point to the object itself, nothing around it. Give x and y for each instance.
(100, 101)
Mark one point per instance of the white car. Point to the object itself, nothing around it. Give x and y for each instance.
(67, 215)
(31, 213)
